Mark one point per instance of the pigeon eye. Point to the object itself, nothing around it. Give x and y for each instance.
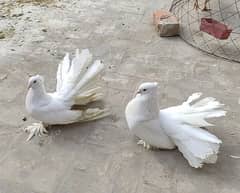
(144, 89)
(34, 81)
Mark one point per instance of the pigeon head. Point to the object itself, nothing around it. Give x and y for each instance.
(35, 82)
(147, 88)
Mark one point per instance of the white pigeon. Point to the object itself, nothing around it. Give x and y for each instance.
(180, 126)
(76, 86)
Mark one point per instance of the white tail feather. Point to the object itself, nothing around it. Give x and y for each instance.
(196, 113)
(80, 63)
(197, 160)
(89, 76)
(197, 145)
(193, 97)
(62, 71)
(78, 76)
(203, 101)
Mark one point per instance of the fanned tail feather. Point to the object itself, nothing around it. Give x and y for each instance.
(193, 97)
(197, 145)
(196, 113)
(78, 76)
(88, 77)
(88, 96)
(94, 114)
(80, 64)
(62, 70)
(196, 160)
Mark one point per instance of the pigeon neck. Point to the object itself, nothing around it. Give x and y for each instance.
(35, 97)
(39, 92)
(153, 104)
(151, 107)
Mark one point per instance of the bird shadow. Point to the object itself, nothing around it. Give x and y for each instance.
(73, 133)
(225, 170)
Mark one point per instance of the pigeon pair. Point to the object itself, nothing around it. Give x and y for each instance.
(179, 126)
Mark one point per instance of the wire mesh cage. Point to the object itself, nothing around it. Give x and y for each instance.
(210, 25)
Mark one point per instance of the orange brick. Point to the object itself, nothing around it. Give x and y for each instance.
(159, 15)
(166, 23)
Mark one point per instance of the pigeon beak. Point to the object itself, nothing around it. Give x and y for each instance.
(29, 86)
(138, 92)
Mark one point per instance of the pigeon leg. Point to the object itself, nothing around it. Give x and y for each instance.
(36, 129)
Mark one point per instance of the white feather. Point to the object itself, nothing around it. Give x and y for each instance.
(90, 74)
(62, 71)
(179, 124)
(75, 85)
(72, 73)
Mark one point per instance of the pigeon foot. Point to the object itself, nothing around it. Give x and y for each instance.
(35, 129)
(145, 145)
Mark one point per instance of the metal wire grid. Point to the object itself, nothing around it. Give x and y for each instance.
(227, 12)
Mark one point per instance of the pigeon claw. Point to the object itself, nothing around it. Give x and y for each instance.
(35, 129)
(145, 145)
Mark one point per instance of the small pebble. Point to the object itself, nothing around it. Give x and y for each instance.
(17, 15)
(2, 35)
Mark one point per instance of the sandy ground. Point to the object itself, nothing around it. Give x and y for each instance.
(102, 156)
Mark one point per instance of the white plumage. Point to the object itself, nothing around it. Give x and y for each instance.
(179, 126)
(76, 85)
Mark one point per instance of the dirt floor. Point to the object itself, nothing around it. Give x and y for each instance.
(102, 157)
